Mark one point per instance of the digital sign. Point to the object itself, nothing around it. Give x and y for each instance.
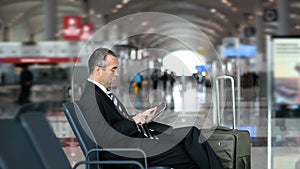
(246, 51)
(286, 70)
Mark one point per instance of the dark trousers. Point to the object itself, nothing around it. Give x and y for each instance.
(187, 153)
(24, 94)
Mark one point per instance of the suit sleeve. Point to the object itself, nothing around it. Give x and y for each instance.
(109, 127)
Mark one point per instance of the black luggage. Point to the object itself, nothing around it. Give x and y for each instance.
(232, 146)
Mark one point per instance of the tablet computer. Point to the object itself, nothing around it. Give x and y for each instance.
(160, 108)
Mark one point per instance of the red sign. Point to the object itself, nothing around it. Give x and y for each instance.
(75, 30)
(72, 27)
(86, 31)
(40, 60)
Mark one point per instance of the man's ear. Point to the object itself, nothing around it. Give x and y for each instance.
(97, 70)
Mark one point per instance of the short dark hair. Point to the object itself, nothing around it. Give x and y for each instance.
(98, 58)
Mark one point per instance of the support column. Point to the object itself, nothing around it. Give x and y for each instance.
(1, 30)
(261, 62)
(85, 11)
(244, 22)
(106, 30)
(260, 59)
(50, 19)
(259, 35)
(283, 8)
(6, 33)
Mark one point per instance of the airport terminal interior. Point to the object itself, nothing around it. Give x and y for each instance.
(200, 57)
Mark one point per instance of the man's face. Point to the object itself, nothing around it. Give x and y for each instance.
(108, 76)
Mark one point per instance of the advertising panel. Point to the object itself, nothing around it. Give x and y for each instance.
(87, 30)
(74, 29)
(286, 69)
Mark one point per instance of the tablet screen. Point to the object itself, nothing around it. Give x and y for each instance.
(160, 108)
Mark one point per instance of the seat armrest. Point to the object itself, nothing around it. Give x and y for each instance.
(109, 162)
(119, 149)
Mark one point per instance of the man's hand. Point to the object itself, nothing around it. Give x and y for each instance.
(148, 114)
(144, 117)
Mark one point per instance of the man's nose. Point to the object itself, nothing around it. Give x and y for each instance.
(116, 73)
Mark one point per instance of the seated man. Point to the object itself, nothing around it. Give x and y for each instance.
(114, 128)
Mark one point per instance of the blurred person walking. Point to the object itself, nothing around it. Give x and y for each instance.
(164, 79)
(26, 81)
(155, 78)
(138, 83)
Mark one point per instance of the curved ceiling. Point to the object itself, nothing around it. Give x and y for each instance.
(215, 18)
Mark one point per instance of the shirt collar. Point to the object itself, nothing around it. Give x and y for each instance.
(99, 85)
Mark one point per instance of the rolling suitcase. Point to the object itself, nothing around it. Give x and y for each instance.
(232, 146)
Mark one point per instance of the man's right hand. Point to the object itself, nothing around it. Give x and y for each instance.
(144, 117)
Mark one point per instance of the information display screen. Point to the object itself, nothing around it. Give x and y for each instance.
(286, 71)
(245, 51)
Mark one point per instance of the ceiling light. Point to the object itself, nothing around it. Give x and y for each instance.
(125, 1)
(151, 29)
(115, 26)
(144, 23)
(259, 13)
(99, 15)
(92, 11)
(114, 10)
(119, 6)
(213, 10)
(84, 15)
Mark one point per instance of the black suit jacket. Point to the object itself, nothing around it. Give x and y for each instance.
(110, 128)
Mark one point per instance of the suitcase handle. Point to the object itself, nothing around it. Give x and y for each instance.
(225, 77)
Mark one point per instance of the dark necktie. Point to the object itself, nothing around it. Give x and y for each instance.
(117, 103)
(120, 107)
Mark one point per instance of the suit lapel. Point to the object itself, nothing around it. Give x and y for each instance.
(100, 94)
